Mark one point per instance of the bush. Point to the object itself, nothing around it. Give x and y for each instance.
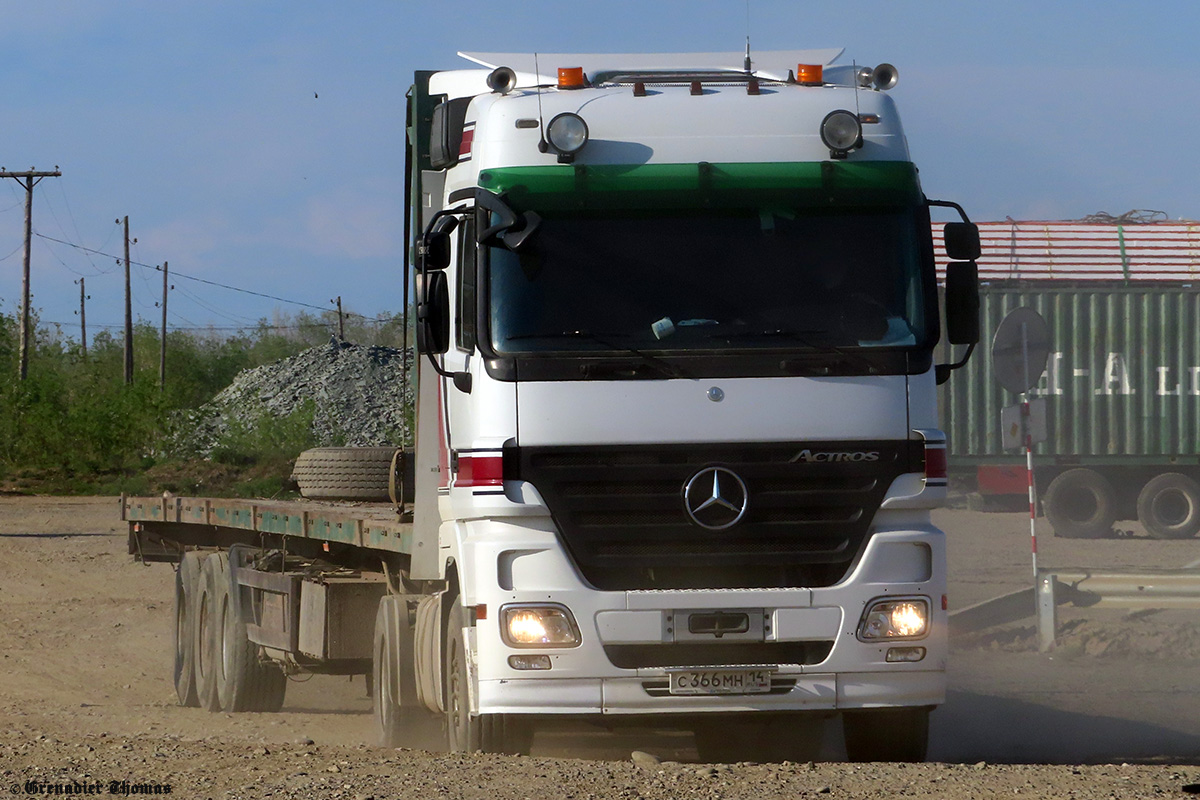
(73, 425)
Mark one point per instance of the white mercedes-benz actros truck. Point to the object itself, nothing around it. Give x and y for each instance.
(677, 438)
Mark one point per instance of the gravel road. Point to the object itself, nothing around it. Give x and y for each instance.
(87, 705)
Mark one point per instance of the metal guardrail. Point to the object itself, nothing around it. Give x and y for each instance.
(1086, 588)
(1082, 588)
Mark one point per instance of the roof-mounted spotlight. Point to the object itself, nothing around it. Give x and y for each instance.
(863, 77)
(841, 131)
(566, 134)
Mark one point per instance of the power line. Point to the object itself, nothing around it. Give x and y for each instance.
(188, 277)
(194, 327)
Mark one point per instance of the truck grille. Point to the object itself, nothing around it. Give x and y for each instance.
(622, 515)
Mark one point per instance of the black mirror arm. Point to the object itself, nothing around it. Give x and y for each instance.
(942, 371)
(495, 203)
(949, 204)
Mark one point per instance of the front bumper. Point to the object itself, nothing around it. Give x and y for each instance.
(816, 692)
(903, 561)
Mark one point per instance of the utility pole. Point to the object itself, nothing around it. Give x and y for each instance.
(341, 320)
(162, 353)
(128, 314)
(28, 179)
(82, 317)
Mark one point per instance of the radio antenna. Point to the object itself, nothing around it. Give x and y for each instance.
(542, 146)
(746, 65)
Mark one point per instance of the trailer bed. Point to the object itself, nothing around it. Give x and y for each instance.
(371, 525)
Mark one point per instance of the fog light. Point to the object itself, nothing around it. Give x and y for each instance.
(895, 619)
(532, 662)
(902, 654)
(538, 626)
(840, 131)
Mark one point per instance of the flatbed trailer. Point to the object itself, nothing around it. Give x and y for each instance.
(166, 523)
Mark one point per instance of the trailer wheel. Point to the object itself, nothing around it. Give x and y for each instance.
(229, 675)
(1081, 504)
(887, 734)
(243, 682)
(187, 581)
(490, 733)
(204, 639)
(1169, 506)
(348, 473)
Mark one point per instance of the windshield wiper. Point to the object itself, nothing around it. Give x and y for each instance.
(803, 337)
(663, 367)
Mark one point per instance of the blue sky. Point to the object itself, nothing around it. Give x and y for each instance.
(198, 120)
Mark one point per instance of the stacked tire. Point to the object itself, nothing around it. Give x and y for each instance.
(354, 473)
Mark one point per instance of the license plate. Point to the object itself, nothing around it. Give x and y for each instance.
(721, 681)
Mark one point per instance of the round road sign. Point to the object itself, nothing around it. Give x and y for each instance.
(1020, 349)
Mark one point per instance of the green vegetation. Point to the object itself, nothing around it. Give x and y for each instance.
(74, 427)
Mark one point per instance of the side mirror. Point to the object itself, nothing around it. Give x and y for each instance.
(962, 241)
(435, 250)
(433, 312)
(962, 300)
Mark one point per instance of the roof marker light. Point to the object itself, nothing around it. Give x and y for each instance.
(571, 78)
(810, 74)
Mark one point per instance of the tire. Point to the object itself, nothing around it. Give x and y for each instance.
(231, 677)
(187, 582)
(1081, 504)
(244, 683)
(890, 734)
(203, 638)
(387, 694)
(352, 473)
(789, 737)
(1169, 506)
(489, 733)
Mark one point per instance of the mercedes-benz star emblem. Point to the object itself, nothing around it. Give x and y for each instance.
(715, 498)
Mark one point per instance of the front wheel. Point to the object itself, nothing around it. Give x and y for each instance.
(886, 734)
(467, 733)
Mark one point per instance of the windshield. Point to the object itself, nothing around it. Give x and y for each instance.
(712, 280)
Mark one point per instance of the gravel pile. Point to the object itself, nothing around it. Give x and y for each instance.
(357, 395)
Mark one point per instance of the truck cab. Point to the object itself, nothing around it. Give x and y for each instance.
(677, 431)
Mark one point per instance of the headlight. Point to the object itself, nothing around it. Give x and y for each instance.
(538, 626)
(567, 133)
(906, 618)
(840, 131)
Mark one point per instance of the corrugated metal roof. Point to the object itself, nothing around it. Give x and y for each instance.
(1085, 251)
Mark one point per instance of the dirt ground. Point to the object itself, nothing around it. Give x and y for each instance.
(87, 705)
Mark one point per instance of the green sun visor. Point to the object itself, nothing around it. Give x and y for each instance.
(644, 186)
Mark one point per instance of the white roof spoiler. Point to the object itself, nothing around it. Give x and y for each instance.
(767, 64)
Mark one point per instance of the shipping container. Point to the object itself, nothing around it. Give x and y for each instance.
(1122, 381)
